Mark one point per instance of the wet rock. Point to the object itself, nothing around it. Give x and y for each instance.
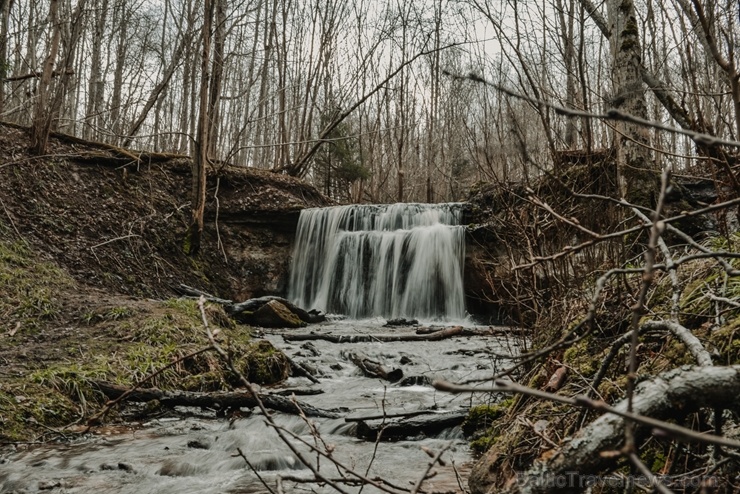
(198, 444)
(125, 467)
(415, 381)
(47, 485)
(311, 348)
(276, 315)
(400, 322)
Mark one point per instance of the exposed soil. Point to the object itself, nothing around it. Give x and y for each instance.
(91, 254)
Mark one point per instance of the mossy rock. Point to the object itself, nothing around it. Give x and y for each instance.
(262, 363)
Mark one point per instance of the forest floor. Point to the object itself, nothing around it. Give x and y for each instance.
(91, 255)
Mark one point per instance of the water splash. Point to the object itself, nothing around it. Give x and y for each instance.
(398, 260)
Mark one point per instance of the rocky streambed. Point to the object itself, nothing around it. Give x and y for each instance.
(190, 450)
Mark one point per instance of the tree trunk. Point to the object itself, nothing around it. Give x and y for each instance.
(636, 176)
(43, 116)
(4, 65)
(121, 52)
(216, 78)
(200, 160)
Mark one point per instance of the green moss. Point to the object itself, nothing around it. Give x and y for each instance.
(261, 363)
(727, 343)
(482, 417)
(654, 457)
(28, 411)
(30, 288)
(483, 424)
(582, 358)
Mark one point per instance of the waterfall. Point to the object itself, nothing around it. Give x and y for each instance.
(398, 260)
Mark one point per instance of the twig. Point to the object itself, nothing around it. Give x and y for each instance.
(644, 470)
(692, 343)
(670, 267)
(611, 114)
(638, 309)
(218, 232)
(114, 240)
(10, 218)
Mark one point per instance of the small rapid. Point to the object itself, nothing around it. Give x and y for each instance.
(397, 260)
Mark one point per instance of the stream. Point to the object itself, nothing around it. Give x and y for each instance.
(191, 451)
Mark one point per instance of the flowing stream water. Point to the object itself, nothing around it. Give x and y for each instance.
(402, 260)
(193, 452)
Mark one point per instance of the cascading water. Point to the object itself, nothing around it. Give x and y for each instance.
(399, 260)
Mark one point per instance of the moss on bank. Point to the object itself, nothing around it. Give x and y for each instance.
(60, 339)
(30, 288)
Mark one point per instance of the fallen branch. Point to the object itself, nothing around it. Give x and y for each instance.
(219, 400)
(189, 291)
(693, 345)
(373, 368)
(253, 304)
(301, 371)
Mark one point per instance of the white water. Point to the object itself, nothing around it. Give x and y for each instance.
(398, 260)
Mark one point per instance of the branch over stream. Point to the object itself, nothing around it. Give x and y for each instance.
(219, 399)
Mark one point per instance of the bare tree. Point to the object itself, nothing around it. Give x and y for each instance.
(200, 160)
(44, 112)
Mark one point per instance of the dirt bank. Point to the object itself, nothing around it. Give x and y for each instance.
(91, 250)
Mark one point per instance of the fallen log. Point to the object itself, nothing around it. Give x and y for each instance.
(421, 334)
(667, 396)
(366, 338)
(409, 427)
(219, 400)
(373, 368)
(389, 415)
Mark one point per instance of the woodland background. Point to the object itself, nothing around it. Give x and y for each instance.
(356, 96)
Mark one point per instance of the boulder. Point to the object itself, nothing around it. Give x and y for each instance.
(274, 314)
